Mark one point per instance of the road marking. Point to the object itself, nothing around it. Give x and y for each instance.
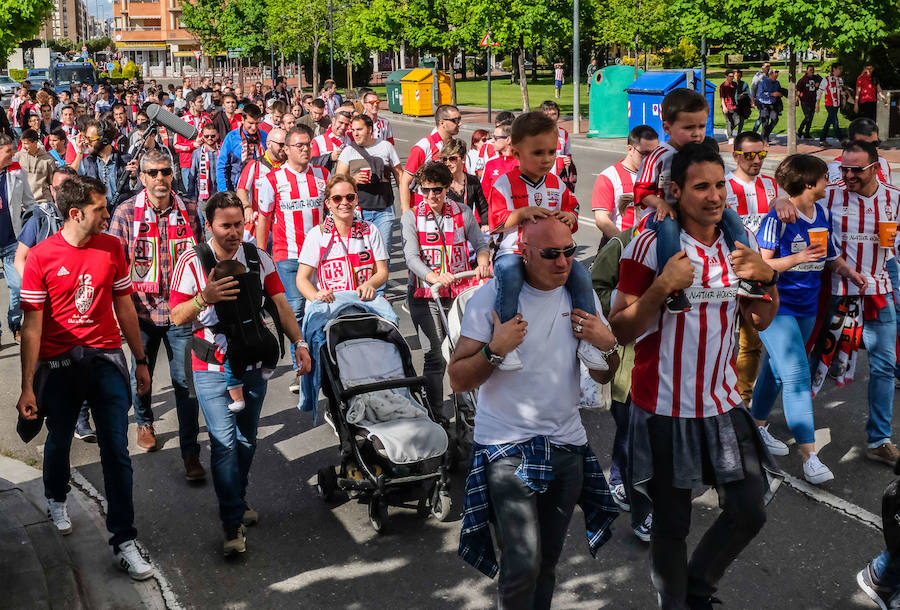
(347, 571)
(839, 504)
(169, 598)
(400, 140)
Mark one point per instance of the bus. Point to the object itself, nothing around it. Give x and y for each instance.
(65, 74)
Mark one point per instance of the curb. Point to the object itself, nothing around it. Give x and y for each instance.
(85, 501)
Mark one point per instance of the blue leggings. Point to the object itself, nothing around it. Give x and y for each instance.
(509, 275)
(668, 235)
(786, 366)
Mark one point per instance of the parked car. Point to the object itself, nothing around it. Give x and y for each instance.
(756, 56)
(8, 86)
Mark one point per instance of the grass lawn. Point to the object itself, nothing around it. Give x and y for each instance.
(506, 96)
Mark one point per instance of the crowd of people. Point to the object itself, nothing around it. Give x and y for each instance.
(110, 224)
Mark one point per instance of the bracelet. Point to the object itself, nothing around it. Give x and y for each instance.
(197, 304)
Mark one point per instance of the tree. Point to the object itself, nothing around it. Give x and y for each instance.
(299, 26)
(61, 45)
(636, 24)
(798, 24)
(100, 44)
(201, 18)
(21, 20)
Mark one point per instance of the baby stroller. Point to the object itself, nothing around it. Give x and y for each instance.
(392, 450)
(463, 403)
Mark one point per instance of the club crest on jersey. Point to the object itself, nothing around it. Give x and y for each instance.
(84, 294)
(143, 257)
(365, 257)
(888, 214)
(320, 184)
(770, 193)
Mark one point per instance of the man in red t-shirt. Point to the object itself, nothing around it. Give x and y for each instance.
(868, 90)
(76, 287)
(728, 97)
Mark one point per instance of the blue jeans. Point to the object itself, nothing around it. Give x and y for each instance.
(887, 570)
(893, 269)
(384, 222)
(668, 235)
(185, 172)
(106, 390)
(177, 342)
(509, 275)
(14, 283)
(287, 271)
(831, 120)
(232, 437)
(785, 366)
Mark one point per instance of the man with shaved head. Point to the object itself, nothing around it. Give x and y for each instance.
(524, 431)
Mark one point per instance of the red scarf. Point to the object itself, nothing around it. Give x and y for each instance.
(345, 272)
(251, 147)
(443, 247)
(145, 271)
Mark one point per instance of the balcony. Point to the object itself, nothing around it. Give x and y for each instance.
(153, 34)
(143, 9)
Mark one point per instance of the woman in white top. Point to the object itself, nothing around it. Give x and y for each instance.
(342, 253)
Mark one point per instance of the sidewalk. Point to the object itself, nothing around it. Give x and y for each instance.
(43, 569)
(477, 118)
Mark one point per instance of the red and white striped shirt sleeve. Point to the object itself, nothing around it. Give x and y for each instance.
(604, 194)
(637, 267)
(34, 286)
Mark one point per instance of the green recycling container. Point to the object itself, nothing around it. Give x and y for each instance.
(608, 102)
(394, 92)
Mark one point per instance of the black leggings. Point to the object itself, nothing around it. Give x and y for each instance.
(743, 515)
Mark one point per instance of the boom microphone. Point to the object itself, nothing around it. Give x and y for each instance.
(158, 114)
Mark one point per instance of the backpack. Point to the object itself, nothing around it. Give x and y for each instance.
(241, 321)
(47, 218)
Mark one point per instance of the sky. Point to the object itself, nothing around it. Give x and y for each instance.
(99, 8)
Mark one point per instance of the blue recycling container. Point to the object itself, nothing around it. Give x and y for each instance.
(645, 96)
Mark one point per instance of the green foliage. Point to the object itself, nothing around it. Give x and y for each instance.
(21, 20)
(201, 18)
(61, 45)
(620, 21)
(653, 60)
(130, 70)
(100, 44)
(684, 55)
(885, 56)
(18, 75)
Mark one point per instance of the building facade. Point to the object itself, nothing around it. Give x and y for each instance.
(69, 19)
(150, 33)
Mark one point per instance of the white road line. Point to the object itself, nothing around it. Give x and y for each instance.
(168, 594)
(396, 139)
(839, 504)
(590, 221)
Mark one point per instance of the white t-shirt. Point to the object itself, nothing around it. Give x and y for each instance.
(541, 399)
(383, 150)
(366, 247)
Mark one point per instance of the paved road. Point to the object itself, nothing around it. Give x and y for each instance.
(311, 554)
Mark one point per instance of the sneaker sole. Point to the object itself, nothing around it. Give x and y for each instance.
(778, 451)
(869, 590)
(65, 532)
(642, 537)
(623, 506)
(124, 567)
(232, 552)
(87, 438)
(196, 477)
(819, 479)
(876, 458)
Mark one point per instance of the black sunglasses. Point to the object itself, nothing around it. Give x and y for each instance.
(431, 189)
(455, 120)
(553, 253)
(855, 169)
(166, 171)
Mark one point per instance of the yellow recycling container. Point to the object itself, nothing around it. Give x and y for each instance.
(417, 90)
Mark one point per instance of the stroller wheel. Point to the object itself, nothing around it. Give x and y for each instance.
(326, 483)
(378, 515)
(441, 506)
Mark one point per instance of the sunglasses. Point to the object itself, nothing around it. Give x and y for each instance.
(299, 146)
(455, 120)
(749, 156)
(855, 169)
(166, 171)
(211, 136)
(553, 253)
(453, 158)
(339, 199)
(496, 137)
(432, 189)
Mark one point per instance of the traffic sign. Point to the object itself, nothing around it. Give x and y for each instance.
(486, 42)
(84, 49)
(197, 55)
(234, 52)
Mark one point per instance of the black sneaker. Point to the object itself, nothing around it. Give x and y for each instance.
(702, 602)
(881, 595)
(752, 289)
(677, 302)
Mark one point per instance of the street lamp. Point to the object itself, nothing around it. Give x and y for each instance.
(331, 11)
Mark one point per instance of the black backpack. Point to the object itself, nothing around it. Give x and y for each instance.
(241, 320)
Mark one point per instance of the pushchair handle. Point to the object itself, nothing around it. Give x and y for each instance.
(436, 287)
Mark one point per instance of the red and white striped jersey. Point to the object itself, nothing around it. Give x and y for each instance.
(831, 87)
(750, 199)
(326, 143)
(654, 177)
(423, 151)
(834, 170)
(495, 168)
(188, 279)
(381, 130)
(513, 190)
(563, 148)
(855, 219)
(612, 184)
(684, 364)
(252, 177)
(485, 153)
(185, 147)
(298, 203)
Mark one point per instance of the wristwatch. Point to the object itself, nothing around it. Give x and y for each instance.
(494, 359)
(141, 361)
(774, 280)
(610, 351)
(301, 343)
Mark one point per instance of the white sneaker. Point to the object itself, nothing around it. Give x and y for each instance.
(327, 417)
(619, 497)
(60, 516)
(511, 362)
(592, 357)
(295, 385)
(643, 530)
(128, 558)
(775, 446)
(237, 406)
(815, 471)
